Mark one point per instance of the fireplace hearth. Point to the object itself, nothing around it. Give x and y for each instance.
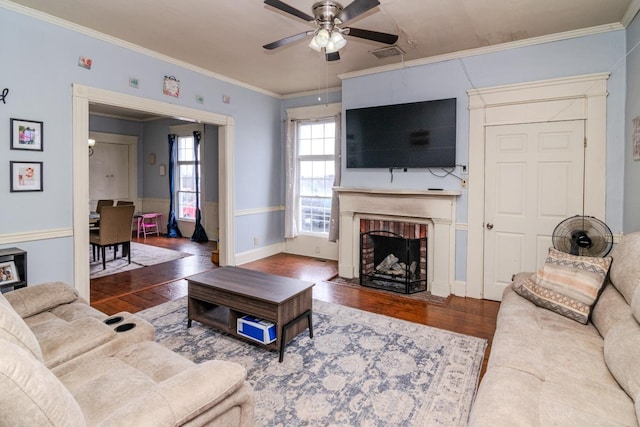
(393, 261)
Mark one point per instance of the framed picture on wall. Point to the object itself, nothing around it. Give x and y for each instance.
(25, 176)
(8, 273)
(26, 135)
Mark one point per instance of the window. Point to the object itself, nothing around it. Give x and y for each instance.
(316, 166)
(185, 178)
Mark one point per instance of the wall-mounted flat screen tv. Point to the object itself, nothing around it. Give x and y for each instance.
(413, 135)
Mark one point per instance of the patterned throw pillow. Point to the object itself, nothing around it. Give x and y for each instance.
(567, 284)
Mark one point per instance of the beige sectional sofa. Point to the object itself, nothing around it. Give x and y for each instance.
(546, 369)
(63, 363)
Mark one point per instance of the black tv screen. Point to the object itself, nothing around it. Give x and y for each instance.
(413, 135)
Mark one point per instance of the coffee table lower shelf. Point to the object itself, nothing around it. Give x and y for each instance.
(221, 318)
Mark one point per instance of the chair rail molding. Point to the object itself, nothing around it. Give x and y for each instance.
(31, 236)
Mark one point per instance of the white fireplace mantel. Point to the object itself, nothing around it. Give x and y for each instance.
(437, 208)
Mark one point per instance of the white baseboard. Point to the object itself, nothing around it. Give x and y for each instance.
(459, 288)
(256, 254)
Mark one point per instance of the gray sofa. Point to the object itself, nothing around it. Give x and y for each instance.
(61, 364)
(545, 369)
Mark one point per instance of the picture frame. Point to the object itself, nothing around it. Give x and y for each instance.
(27, 135)
(8, 273)
(171, 86)
(25, 176)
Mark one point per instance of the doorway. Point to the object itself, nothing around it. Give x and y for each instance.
(82, 97)
(580, 99)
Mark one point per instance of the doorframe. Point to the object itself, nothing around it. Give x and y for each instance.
(574, 98)
(85, 95)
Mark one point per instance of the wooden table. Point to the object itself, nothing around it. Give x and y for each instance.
(217, 298)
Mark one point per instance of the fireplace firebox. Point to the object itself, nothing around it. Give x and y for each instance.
(393, 262)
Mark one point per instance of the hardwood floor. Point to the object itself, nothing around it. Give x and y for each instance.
(136, 290)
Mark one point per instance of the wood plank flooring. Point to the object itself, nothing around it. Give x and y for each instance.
(146, 287)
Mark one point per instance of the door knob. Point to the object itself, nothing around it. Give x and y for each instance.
(489, 226)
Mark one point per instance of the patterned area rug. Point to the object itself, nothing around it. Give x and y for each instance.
(418, 296)
(141, 256)
(360, 369)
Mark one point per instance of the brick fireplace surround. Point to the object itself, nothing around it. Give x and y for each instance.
(435, 208)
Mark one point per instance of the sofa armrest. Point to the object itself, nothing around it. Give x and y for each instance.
(188, 395)
(36, 299)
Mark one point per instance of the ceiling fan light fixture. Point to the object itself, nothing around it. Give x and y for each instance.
(313, 45)
(338, 40)
(322, 38)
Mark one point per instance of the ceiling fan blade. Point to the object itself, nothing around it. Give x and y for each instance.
(371, 35)
(289, 9)
(286, 40)
(333, 56)
(356, 8)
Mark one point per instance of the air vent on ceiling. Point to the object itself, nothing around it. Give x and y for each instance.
(386, 52)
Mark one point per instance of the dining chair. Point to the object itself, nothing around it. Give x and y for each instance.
(134, 224)
(102, 203)
(115, 229)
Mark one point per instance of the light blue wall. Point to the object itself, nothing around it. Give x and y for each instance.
(585, 55)
(449, 79)
(632, 168)
(39, 66)
(155, 141)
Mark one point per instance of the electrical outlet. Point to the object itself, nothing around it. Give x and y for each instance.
(463, 183)
(256, 241)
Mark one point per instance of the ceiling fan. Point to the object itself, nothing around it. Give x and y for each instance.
(328, 17)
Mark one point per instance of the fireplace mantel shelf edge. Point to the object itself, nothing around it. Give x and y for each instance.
(393, 192)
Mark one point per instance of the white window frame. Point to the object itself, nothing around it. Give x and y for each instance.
(312, 157)
(186, 131)
(310, 113)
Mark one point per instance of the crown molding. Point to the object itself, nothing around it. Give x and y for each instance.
(631, 13)
(312, 92)
(487, 49)
(23, 10)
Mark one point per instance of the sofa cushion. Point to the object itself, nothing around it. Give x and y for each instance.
(625, 271)
(622, 355)
(30, 395)
(15, 330)
(566, 284)
(610, 309)
(62, 341)
(36, 299)
(147, 384)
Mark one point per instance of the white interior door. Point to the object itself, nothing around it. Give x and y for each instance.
(534, 178)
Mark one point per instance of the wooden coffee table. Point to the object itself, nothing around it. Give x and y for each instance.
(219, 297)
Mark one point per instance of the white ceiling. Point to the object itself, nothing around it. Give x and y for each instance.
(226, 36)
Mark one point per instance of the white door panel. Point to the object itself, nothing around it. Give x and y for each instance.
(109, 172)
(534, 179)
